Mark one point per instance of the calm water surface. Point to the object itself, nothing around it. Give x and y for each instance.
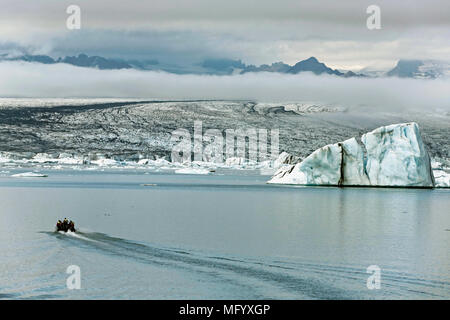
(219, 237)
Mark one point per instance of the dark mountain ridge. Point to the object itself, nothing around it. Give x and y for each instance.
(404, 68)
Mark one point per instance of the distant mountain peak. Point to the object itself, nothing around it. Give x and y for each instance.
(405, 68)
(209, 66)
(313, 65)
(83, 60)
(420, 69)
(312, 59)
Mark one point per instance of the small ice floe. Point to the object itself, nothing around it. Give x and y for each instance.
(105, 162)
(29, 175)
(192, 171)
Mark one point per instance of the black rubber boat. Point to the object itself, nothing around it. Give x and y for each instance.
(65, 225)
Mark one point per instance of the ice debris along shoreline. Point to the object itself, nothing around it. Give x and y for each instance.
(390, 156)
(65, 161)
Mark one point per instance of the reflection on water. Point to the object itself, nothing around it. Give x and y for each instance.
(168, 236)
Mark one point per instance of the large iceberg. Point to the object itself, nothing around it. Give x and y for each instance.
(334, 164)
(395, 156)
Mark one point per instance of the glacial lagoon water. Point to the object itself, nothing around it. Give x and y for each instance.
(168, 236)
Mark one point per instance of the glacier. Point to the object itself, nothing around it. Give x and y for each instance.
(75, 132)
(394, 156)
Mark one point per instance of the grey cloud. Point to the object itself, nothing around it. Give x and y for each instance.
(256, 31)
(35, 80)
(113, 13)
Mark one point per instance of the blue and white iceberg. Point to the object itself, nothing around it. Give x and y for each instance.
(394, 156)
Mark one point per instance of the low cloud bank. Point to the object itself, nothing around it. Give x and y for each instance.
(19, 79)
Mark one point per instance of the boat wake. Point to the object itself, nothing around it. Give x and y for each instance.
(288, 279)
(77, 235)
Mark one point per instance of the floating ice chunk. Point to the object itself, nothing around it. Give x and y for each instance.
(396, 156)
(334, 164)
(29, 175)
(192, 171)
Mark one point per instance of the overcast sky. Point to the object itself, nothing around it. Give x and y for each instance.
(256, 31)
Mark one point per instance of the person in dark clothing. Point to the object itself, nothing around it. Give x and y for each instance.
(65, 225)
(72, 226)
